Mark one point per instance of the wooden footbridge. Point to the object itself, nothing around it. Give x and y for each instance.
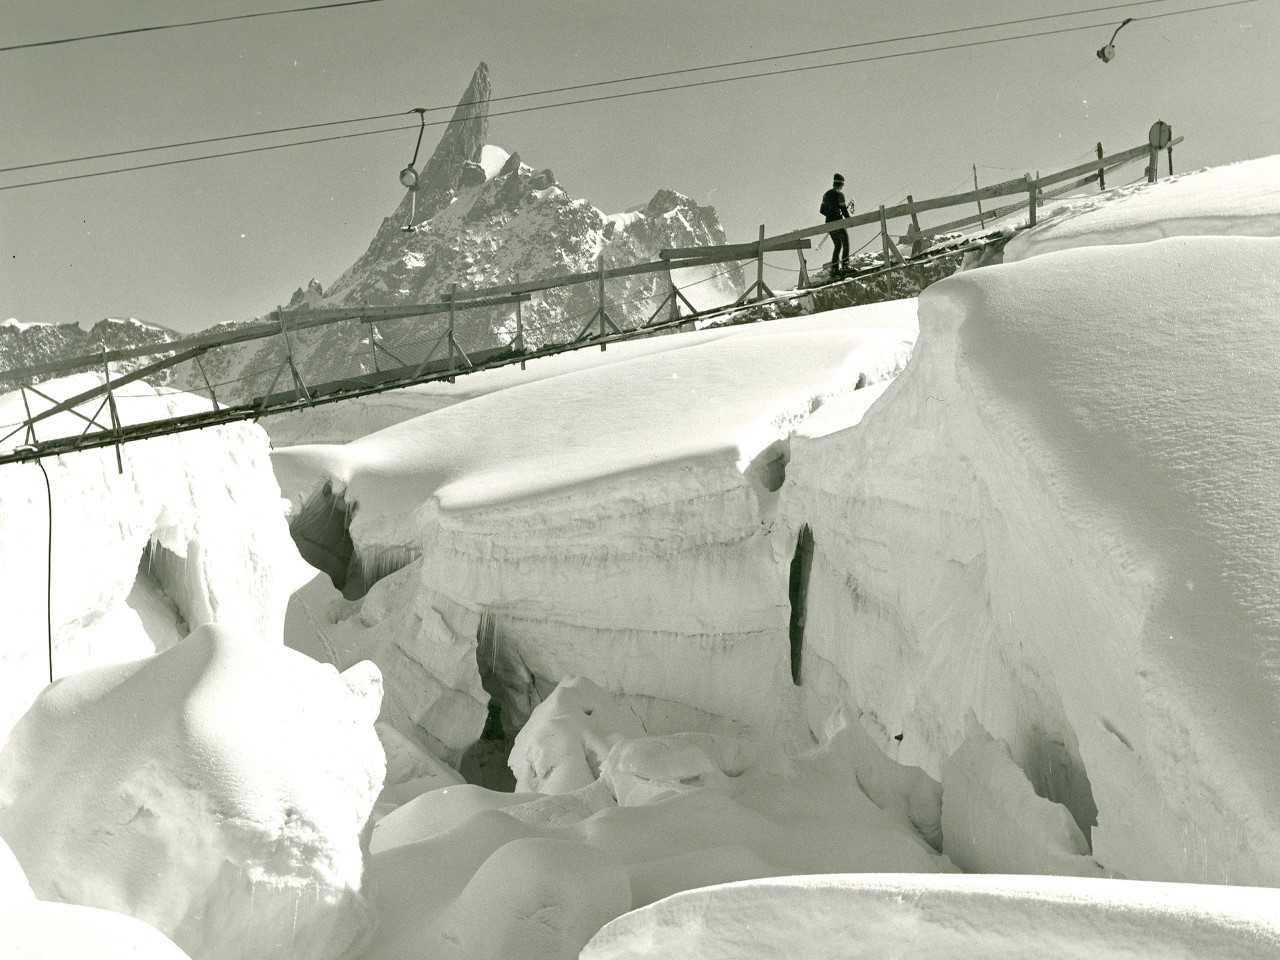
(285, 386)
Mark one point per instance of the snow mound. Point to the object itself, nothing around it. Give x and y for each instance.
(1063, 516)
(216, 790)
(958, 917)
(56, 931)
(193, 531)
(1239, 199)
(568, 736)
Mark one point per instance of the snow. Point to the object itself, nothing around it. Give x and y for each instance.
(202, 509)
(217, 791)
(1238, 199)
(1062, 517)
(754, 604)
(993, 821)
(55, 931)
(958, 917)
(492, 159)
(648, 476)
(13, 323)
(461, 872)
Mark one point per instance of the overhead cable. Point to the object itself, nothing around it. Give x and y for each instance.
(188, 23)
(618, 96)
(579, 86)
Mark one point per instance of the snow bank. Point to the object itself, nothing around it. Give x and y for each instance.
(193, 531)
(216, 790)
(983, 918)
(611, 521)
(1063, 516)
(1239, 199)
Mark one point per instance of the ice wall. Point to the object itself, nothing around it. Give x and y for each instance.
(1063, 516)
(610, 520)
(192, 531)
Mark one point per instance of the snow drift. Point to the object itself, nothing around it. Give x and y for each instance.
(192, 531)
(216, 790)
(1063, 516)
(961, 918)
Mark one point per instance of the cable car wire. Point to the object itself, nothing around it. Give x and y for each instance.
(576, 86)
(614, 96)
(189, 23)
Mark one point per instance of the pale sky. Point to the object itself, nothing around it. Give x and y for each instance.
(201, 243)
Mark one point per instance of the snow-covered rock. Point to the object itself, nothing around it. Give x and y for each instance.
(958, 917)
(192, 531)
(216, 790)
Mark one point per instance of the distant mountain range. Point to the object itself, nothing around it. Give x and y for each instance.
(482, 217)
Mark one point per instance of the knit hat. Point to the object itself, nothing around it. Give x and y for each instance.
(838, 178)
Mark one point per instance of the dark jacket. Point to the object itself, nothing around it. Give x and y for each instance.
(834, 206)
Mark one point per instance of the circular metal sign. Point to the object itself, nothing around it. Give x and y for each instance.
(1161, 134)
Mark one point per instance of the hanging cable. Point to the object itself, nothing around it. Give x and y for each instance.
(189, 23)
(48, 593)
(601, 83)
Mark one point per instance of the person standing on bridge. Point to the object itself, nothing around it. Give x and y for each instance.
(835, 207)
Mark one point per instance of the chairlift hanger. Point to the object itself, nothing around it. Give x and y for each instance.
(1107, 53)
(409, 175)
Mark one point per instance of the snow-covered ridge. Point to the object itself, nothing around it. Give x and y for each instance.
(1238, 199)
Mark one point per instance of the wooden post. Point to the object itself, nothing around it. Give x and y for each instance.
(453, 294)
(917, 242)
(981, 219)
(887, 245)
(373, 344)
(760, 262)
(115, 416)
(603, 329)
(1153, 164)
(1170, 154)
(212, 396)
(519, 344)
(31, 430)
(1102, 174)
(803, 279)
(1033, 188)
